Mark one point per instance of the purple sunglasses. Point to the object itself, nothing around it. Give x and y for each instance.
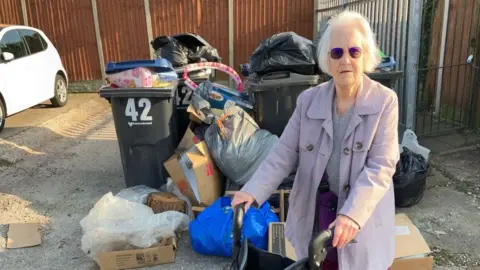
(337, 53)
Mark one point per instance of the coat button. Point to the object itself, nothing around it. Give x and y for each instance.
(346, 151)
(346, 188)
(309, 148)
(358, 145)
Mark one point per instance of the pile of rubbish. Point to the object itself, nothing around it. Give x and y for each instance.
(218, 153)
(131, 221)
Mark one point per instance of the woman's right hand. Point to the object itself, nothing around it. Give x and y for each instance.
(242, 197)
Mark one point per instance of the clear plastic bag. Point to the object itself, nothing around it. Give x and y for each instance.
(139, 194)
(136, 194)
(117, 224)
(172, 188)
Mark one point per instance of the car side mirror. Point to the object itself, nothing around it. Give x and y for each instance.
(7, 57)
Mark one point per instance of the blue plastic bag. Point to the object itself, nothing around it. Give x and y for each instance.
(211, 233)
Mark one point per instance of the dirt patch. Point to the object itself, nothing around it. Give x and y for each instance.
(463, 170)
(445, 257)
(6, 163)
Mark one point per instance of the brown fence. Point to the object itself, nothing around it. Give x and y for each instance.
(208, 18)
(255, 20)
(124, 32)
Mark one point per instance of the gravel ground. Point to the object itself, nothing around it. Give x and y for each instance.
(54, 173)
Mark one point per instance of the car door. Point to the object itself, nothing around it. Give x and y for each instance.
(43, 76)
(15, 73)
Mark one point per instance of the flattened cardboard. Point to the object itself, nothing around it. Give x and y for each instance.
(411, 250)
(425, 263)
(193, 116)
(194, 171)
(278, 242)
(136, 258)
(21, 235)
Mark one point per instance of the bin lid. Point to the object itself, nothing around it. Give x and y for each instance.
(108, 92)
(385, 75)
(281, 78)
(160, 65)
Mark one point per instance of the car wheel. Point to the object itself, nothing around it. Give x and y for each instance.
(3, 115)
(61, 93)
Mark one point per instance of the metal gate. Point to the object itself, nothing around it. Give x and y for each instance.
(448, 74)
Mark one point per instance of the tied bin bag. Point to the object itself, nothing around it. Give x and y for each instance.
(211, 232)
(237, 145)
(409, 179)
(285, 51)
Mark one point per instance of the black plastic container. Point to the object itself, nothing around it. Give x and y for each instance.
(146, 128)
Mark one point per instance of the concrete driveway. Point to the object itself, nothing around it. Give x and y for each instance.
(40, 114)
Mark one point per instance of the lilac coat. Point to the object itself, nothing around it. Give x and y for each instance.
(368, 163)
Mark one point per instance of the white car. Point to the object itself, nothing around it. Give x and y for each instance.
(31, 71)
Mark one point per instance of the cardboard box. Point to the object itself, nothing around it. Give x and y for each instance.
(411, 250)
(278, 243)
(194, 172)
(137, 258)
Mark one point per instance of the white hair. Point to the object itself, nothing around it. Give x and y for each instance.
(371, 56)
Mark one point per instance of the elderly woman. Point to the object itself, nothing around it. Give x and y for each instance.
(343, 141)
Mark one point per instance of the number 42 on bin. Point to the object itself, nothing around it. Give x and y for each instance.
(131, 111)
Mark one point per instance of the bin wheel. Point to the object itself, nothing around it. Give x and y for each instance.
(61, 93)
(3, 115)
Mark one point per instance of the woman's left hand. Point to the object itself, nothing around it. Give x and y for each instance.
(345, 230)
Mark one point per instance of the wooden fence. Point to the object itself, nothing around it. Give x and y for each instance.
(90, 33)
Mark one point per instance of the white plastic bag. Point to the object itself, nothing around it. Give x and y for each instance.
(137, 194)
(140, 194)
(117, 224)
(172, 188)
(410, 141)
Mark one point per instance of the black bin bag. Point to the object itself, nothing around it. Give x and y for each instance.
(185, 48)
(172, 50)
(410, 178)
(285, 51)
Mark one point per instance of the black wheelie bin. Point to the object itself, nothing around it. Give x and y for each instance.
(145, 124)
(275, 95)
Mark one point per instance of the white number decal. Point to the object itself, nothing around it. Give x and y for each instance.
(178, 98)
(132, 112)
(184, 95)
(147, 105)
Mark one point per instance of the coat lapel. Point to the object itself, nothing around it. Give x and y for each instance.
(365, 104)
(321, 107)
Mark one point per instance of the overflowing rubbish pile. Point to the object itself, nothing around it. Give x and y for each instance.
(181, 176)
